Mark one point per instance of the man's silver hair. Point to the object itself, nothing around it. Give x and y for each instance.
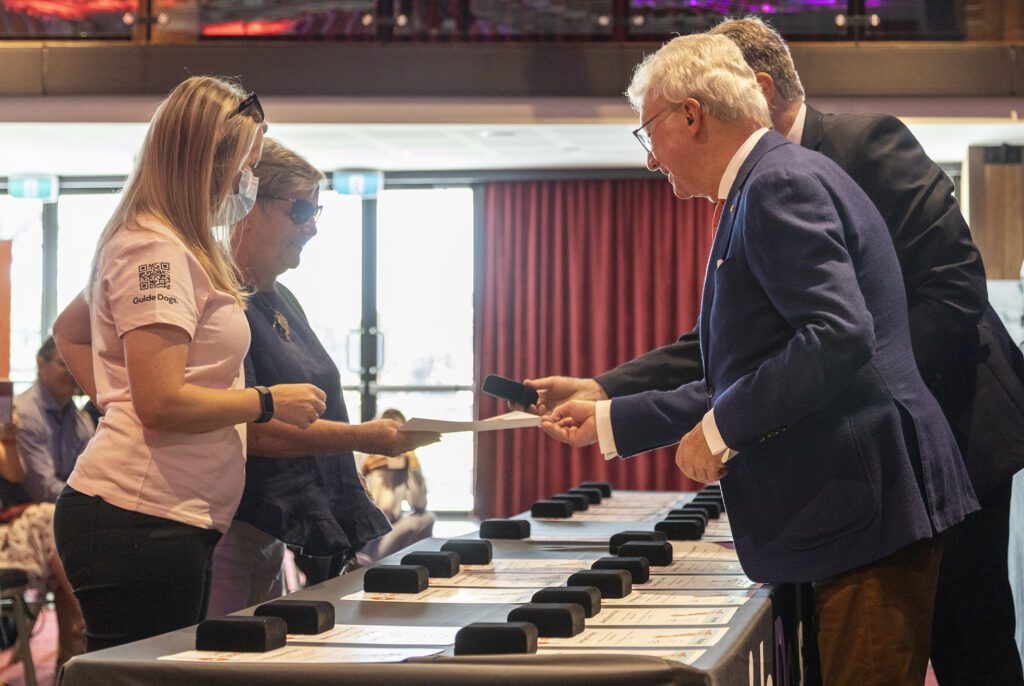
(765, 51)
(709, 69)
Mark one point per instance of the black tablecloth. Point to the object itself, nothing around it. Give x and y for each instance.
(748, 647)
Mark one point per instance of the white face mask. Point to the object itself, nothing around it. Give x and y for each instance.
(236, 206)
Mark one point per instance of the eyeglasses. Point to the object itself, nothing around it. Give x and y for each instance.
(641, 132)
(251, 101)
(302, 210)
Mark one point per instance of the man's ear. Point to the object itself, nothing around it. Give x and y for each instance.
(767, 84)
(693, 111)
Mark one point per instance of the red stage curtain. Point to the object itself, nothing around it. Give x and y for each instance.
(574, 278)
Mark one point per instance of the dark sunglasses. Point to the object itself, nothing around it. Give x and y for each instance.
(302, 210)
(251, 101)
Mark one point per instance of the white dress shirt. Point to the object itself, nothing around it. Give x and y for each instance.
(603, 411)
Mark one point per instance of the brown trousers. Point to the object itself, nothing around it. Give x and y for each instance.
(874, 622)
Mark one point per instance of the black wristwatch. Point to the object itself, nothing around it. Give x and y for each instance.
(266, 404)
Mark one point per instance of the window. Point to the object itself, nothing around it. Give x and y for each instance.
(425, 314)
(423, 298)
(21, 223)
(81, 219)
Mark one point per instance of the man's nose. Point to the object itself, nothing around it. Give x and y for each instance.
(652, 162)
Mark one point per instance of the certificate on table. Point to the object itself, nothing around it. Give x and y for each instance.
(666, 637)
(702, 550)
(685, 655)
(699, 567)
(450, 594)
(509, 420)
(503, 579)
(306, 655)
(526, 566)
(382, 634)
(678, 598)
(703, 581)
(661, 616)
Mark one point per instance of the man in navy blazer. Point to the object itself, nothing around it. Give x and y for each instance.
(964, 353)
(842, 468)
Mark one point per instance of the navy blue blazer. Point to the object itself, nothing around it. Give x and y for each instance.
(844, 456)
(964, 353)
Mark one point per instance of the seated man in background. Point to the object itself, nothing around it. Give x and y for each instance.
(390, 481)
(52, 431)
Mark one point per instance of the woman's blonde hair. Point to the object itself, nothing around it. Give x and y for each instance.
(282, 171)
(186, 168)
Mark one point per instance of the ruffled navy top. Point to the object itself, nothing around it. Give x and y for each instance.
(316, 502)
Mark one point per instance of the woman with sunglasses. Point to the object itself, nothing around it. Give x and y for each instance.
(158, 341)
(315, 501)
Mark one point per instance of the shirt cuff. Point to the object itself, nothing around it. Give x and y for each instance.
(714, 438)
(605, 435)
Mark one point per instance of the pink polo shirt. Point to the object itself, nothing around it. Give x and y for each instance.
(148, 276)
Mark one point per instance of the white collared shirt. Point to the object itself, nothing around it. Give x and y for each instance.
(796, 133)
(603, 410)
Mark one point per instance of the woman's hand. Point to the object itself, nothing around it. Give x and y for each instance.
(298, 404)
(381, 436)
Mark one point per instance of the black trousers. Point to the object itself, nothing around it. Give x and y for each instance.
(135, 575)
(973, 628)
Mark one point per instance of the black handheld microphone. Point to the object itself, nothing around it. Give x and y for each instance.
(509, 390)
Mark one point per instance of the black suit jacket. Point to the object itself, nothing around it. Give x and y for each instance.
(963, 351)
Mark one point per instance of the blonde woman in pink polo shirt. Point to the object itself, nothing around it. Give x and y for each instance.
(157, 339)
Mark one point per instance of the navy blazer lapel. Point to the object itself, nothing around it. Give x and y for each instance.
(720, 247)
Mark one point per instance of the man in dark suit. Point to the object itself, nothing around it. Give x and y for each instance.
(961, 348)
(842, 469)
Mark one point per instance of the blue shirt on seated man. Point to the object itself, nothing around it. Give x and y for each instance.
(52, 432)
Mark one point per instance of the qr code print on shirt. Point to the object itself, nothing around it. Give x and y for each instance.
(154, 275)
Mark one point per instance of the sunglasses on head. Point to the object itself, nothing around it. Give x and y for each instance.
(302, 210)
(250, 101)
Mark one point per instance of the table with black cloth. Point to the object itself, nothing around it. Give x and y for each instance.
(755, 648)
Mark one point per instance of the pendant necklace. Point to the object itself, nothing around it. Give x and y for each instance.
(277, 320)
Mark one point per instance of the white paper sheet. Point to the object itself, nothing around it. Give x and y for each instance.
(382, 634)
(685, 655)
(676, 598)
(661, 616)
(509, 420)
(713, 582)
(666, 637)
(527, 566)
(451, 594)
(503, 580)
(702, 550)
(699, 567)
(306, 655)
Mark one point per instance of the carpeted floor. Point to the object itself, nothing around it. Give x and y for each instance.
(44, 653)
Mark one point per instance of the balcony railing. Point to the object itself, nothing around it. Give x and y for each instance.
(162, 21)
